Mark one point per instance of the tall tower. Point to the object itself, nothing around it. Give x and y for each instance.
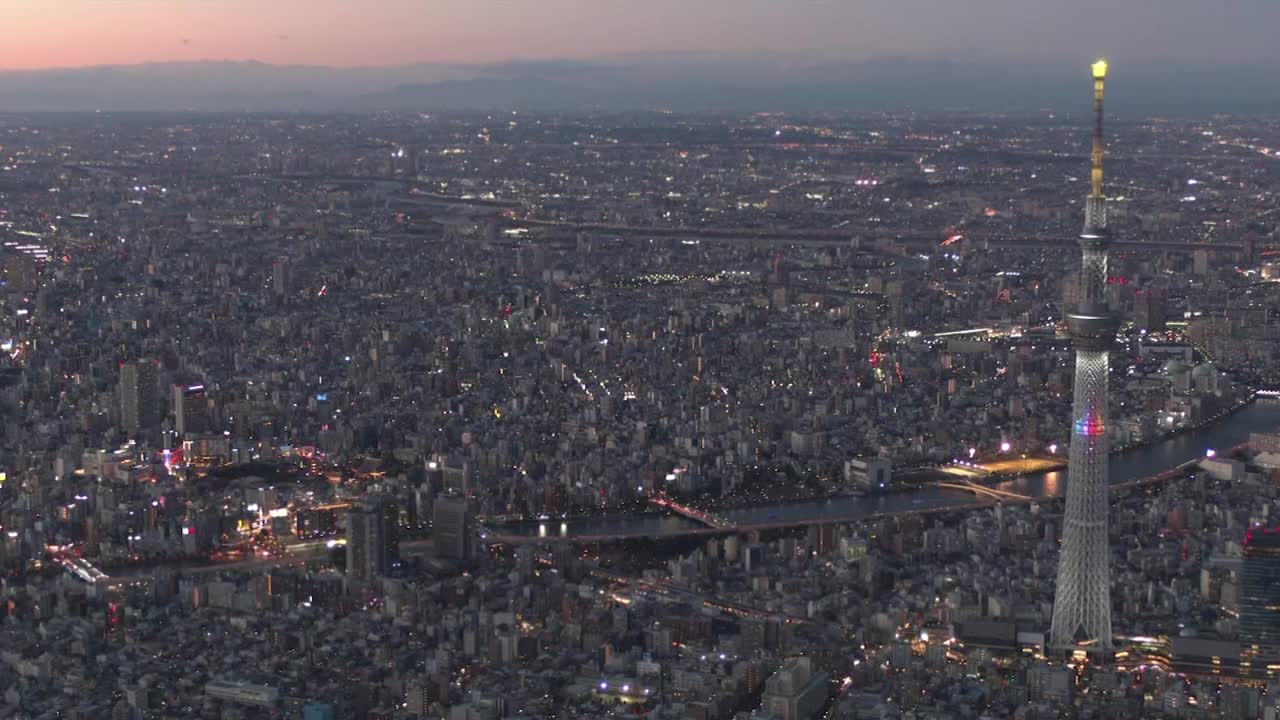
(1082, 605)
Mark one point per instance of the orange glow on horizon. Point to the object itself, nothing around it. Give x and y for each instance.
(78, 33)
(42, 34)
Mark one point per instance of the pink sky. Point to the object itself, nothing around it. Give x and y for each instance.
(68, 33)
(63, 33)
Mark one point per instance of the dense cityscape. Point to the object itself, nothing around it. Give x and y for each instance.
(480, 416)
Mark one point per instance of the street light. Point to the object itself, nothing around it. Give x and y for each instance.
(1005, 446)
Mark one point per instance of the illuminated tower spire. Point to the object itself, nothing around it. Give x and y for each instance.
(1096, 207)
(1082, 604)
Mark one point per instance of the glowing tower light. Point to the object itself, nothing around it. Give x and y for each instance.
(1082, 603)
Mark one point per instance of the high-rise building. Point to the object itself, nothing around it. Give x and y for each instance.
(1149, 310)
(280, 277)
(1052, 683)
(1200, 262)
(869, 473)
(452, 527)
(139, 392)
(21, 273)
(190, 409)
(1260, 589)
(418, 697)
(795, 692)
(372, 538)
(1082, 603)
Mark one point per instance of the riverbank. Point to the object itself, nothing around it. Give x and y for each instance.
(1221, 415)
(1133, 464)
(1133, 447)
(1128, 463)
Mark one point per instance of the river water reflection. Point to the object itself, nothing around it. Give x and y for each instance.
(1261, 416)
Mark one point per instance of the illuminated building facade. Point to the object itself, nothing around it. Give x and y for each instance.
(190, 409)
(372, 545)
(1260, 589)
(1082, 604)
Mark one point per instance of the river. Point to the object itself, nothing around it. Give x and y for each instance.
(1156, 457)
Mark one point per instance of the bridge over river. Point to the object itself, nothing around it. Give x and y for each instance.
(1151, 463)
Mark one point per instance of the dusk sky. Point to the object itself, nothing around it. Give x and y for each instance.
(65, 33)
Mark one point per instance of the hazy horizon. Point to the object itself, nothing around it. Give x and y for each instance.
(755, 55)
(690, 82)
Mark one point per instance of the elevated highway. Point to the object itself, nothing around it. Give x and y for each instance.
(867, 237)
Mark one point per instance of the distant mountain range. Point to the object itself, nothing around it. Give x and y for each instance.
(685, 84)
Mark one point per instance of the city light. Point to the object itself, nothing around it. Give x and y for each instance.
(631, 381)
(1089, 426)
